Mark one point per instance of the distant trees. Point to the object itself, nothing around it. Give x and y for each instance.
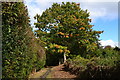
(108, 47)
(21, 51)
(117, 48)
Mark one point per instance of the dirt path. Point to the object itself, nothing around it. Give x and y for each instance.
(59, 72)
(55, 72)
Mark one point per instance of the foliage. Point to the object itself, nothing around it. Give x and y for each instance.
(55, 53)
(20, 48)
(68, 25)
(54, 48)
(116, 48)
(104, 65)
(103, 57)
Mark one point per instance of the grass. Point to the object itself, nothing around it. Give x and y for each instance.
(38, 74)
(49, 75)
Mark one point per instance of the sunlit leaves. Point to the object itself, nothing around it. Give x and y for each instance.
(68, 25)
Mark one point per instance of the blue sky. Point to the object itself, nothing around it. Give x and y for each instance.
(104, 15)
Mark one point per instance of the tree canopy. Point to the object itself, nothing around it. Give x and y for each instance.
(68, 25)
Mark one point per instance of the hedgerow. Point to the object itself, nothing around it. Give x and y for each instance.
(21, 51)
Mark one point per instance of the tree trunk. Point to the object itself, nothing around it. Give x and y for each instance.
(59, 61)
(64, 58)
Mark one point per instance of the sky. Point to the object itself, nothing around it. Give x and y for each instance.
(104, 15)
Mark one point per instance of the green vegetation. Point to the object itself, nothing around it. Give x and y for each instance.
(21, 50)
(56, 52)
(38, 74)
(67, 25)
(105, 59)
(104, 64)
(66, 32)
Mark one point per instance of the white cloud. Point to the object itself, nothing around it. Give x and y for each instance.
(33, 9)
(109, 42)
(101, 10)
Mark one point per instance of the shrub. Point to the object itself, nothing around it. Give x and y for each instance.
(102, 66)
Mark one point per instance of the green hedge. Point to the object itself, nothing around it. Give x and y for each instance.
(21, 51)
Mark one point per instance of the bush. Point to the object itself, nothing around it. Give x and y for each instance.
(102, 53)
(100, 66)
